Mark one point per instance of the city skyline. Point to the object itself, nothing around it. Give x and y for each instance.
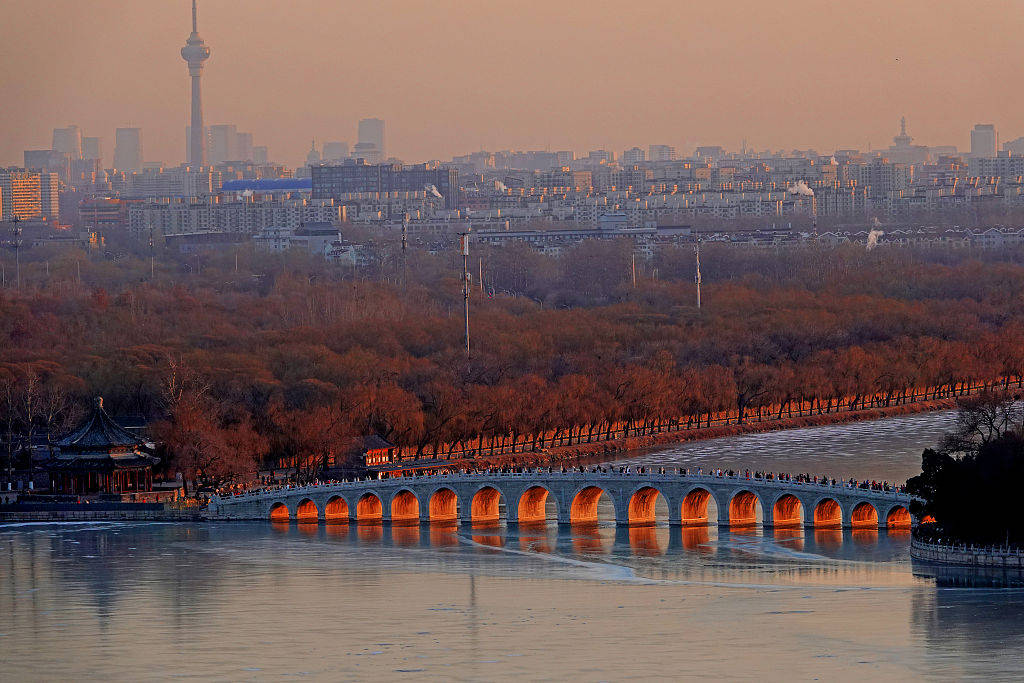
(675, 75)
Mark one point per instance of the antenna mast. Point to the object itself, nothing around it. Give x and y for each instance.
(464, 244)
(697, 277)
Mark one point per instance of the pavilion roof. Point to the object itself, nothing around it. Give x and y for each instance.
(99, 433)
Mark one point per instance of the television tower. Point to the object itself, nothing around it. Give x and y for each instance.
(195, 53)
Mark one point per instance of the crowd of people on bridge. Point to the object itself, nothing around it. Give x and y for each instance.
(267, 484)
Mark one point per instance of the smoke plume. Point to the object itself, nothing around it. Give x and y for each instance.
(801, 189)
(873, 237)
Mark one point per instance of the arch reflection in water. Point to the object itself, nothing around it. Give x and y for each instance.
(648, 539)
(444, 534)
(534, 537)
(405, 535)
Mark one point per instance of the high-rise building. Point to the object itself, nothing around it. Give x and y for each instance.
(260, 154)
(335, 151)
(634, 155)
(984, 140)
(371, 132)
(661, 152)
(28, 194)
(223, 145)
(244, 146)
(128, 149)
(92, 148)
(196, 53)
(69, 141)
(333, 181)
(48, 160)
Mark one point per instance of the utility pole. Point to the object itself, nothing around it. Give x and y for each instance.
(634, 269)
(405, 255)
(464, 244)
(697, 277)
(17, 252)
(152, 263)
(481, 278)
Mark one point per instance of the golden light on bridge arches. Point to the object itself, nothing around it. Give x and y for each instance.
(485, 508)
(443, 506)
(743, 509)
(405, 508)
(899, 518)
(533, 505)
(306, 512)
(695, 508)
(828, 514)
(279, 513)
(788, 511)
(583, 509)
(336, 510)
(642, 506)
(369, 508)
(864, 515)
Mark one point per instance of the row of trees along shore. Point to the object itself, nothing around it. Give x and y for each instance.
(239, 359)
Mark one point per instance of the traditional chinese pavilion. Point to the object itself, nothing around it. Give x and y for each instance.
(101, 457)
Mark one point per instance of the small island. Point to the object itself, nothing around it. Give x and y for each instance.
(968, 487)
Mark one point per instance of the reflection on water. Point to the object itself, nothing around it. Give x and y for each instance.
(539, 601)
(266, 600)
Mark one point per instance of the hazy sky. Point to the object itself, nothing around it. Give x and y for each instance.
(452, 76)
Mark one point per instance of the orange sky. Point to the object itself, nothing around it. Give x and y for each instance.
(452, 76)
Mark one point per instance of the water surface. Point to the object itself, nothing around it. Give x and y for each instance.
(256, 601)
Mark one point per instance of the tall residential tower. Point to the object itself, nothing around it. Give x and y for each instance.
(195, 53)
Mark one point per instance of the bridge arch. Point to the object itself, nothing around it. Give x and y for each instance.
(369, 508)
(485, 508)
(405, 507)
(583, 507)
(744, 506)
(336, 509)
(279, 512)
(863, 515)
(898, 517)
(694, 508)
(787, 510)
(828, 513)
(443, 505)
(306, 511)
(532, 505)
(640, 509)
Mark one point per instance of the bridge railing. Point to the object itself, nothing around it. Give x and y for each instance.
(844, 486)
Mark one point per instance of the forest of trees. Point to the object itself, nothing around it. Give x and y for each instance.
(236, 358)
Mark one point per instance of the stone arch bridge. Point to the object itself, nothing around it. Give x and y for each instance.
(525, 497)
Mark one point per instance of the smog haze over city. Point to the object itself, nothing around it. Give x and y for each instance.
(452, 77)
(563, 340)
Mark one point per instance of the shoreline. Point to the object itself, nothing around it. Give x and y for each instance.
(604, 451)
